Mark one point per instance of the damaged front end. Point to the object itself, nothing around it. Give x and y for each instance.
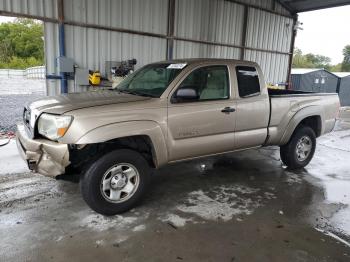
(44, 156)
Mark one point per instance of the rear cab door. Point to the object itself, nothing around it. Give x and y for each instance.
(205, 125)
(253, 106)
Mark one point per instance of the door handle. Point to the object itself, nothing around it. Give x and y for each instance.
(228, 110)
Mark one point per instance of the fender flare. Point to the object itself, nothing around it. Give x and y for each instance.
(130, 128)
(303, 113)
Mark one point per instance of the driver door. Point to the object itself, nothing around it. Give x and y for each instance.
(202, 125)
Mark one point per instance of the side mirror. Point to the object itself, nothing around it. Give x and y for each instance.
(186, 94)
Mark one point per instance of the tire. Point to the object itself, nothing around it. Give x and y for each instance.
(293, 157)
(104, 181)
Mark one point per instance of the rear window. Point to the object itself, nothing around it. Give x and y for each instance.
(248, 81)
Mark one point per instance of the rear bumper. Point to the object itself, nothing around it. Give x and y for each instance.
(344, 114)
(46, 157)
(329, 126)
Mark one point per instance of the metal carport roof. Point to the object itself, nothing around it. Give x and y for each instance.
(296, 6)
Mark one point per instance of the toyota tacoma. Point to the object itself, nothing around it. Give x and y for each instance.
(163, 113)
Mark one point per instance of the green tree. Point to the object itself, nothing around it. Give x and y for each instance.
(310, 60)
(21, 44)
(318, 61)
(346, 61)
(299, 60)
(336, 68)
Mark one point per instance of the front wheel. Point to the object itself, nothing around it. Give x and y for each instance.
(300, 149)
(115, 182)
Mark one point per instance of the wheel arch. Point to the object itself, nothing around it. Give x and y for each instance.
(310, 116)
(145, 137)
(314, 122)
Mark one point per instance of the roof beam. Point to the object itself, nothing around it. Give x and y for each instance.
(297, 6)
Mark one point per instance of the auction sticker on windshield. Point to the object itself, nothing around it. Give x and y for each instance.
(176, 66)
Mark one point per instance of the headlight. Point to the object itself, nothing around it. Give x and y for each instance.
(53, 126)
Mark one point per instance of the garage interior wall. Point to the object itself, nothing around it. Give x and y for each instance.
(111, 30)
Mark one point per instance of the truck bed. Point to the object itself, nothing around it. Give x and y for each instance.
(284, 92)
(285, 104)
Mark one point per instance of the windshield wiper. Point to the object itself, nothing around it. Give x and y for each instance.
(125, 91)
(145, 94)
(135, 93)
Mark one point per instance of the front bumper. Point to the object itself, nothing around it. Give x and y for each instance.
(46, 157)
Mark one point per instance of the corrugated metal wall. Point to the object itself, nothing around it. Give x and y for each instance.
(184, 49)
(344, 91)
(115, 46)
(140, 15)
(260, 3)
(42, 8)
(280, 9)
(270, 32)
(219, 24)
(209, 20)
(267, 4)
(103, 45)
(222, 22)
(273, 65)
(91, 47)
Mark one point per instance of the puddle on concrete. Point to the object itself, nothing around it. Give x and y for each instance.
(331, 165)
(176, 220)
(102, 223)
(223, 202)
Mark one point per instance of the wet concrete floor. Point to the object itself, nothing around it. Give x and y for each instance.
(239, 207)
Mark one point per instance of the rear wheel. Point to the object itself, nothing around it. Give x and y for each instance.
(115, 182)
(300, 149)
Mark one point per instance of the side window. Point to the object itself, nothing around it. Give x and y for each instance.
(205, 83)
(248, 81)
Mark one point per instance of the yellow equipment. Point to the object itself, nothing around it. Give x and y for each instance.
(94, 77)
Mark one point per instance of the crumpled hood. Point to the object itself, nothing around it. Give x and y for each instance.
(68, 102)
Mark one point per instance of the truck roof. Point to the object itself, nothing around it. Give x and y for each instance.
(204, 60)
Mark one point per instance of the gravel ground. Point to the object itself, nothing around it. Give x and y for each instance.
(11, 108)
(14, 94)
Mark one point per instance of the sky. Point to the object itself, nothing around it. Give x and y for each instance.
(325, 32)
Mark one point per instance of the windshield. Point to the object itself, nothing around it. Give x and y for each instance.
(151, 80)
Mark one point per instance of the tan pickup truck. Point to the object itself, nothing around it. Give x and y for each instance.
(166, 112)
